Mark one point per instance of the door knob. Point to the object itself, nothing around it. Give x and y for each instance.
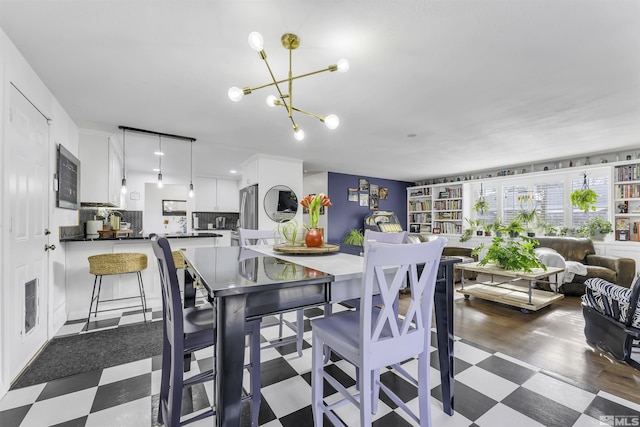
(49, 247)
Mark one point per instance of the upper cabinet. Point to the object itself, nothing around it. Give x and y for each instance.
(216, 195)
(101, 172)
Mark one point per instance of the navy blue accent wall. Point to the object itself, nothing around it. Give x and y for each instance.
(344, 215)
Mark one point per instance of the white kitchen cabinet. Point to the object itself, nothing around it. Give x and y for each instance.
(228, 196)
(215, 195)
(101, 168)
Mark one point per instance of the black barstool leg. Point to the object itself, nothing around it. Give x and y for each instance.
(143, 297)
(93, 293)
(98, 296)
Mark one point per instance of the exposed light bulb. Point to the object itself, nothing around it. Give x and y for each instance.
(256, 41)
(298, 134)
(160, 185)
(235, 94)
(158, 153)
(272, 100)
(191, 190)
(332, 121)
(123, 190)
(343, 65)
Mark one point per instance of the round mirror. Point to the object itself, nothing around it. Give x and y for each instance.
(281, 203)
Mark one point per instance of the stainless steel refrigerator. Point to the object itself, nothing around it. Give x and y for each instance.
(249, 207)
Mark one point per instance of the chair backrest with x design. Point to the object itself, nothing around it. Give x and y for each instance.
(385, 332)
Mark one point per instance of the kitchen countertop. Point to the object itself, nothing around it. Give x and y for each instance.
(144, 237)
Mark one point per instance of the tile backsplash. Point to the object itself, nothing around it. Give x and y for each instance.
(206, 218)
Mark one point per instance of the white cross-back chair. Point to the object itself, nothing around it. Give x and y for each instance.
(268, 237)
(372, 337)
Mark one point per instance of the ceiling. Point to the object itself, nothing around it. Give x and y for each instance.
(435, 88)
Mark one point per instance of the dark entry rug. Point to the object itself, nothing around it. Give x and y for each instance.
(76, 354)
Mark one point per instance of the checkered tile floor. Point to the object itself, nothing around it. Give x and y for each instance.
(491, 389)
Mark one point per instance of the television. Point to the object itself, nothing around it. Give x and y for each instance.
(287, 201)
(68, 178)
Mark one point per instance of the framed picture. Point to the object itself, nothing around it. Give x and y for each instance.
(373, 203)
(352, 194)
(435, 230)
(384, 193)
(363, 185)
(414, 228)
(373, 190)
(364, 199)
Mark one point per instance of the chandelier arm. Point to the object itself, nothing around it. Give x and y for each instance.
(292, 78)
(317, 116)
(290, 83)
(282, 96)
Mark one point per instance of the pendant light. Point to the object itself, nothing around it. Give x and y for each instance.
(124, 163)
(160, 153)
(191, 173)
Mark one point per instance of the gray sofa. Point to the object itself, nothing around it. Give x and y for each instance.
(618, 270)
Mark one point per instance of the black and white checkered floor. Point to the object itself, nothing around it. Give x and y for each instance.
(491, 389)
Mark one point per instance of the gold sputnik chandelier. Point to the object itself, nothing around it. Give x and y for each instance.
(290, 42)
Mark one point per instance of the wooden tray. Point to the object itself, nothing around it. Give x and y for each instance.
(326, 248)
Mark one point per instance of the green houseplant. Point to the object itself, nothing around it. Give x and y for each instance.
(528, 217)
(354, 237)
(584, 198)
(511, 254)
(514, 228)
(595, 226)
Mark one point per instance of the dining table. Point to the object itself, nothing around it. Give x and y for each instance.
(245, 283)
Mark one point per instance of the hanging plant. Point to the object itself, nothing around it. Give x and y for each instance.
(585, 198)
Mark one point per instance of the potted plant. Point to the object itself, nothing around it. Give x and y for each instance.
(595, 228)
(480, 205)
(488, 229)
(499, 226)
(584, 198)
(354, 237)
(514, 228)
(547, 228)
(511, 254)
(528, 217)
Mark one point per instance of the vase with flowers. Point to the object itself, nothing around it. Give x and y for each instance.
(314, 203)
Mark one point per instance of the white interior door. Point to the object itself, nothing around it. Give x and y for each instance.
(26, 207)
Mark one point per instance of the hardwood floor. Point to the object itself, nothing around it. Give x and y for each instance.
(551, 338)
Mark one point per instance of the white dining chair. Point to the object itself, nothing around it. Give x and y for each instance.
(269, 237)
(375, 337)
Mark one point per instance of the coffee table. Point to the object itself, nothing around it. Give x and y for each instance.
(503, 286)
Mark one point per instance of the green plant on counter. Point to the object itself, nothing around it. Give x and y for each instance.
(511, 254)
(514, 228)
(290, 232)
(473, 226)
(595, 226)
(547, 228)
(528, 217)
(354, 237)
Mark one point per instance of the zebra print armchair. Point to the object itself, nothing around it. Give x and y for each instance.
(612, 319)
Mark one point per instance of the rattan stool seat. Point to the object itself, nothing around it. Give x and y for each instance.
(178, 259)
(116, 263)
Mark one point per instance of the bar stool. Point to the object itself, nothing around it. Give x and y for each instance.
(118, 263)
